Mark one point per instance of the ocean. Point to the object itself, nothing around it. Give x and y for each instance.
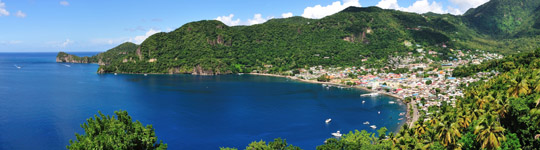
(43, 104)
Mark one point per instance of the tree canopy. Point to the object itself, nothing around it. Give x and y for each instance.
(120, 132)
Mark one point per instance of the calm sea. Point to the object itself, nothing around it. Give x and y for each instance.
(43, 103)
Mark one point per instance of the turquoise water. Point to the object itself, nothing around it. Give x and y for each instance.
(43, 104)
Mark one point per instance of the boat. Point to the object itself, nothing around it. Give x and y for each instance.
(336, 134)
(370, 94)
(401, 114)
(115, 73)
(367, 122)
(67, 65)
(379, 112)
(18, 67)
(363, 102)
(145, 74)
(400, 119)
(328, 120)
(391, 102)
(240, 73)
(373, 126)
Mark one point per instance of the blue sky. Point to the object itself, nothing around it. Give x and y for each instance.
(98, 25)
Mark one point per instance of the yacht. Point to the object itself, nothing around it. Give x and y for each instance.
(337, 134)
(328, 120)
(367, 122)
(370, 94)
(363, 102)
(373, 126)
(391, 102)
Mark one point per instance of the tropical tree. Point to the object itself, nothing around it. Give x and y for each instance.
(120, 132)
(489, 131)
(518, 85)
(448, 133)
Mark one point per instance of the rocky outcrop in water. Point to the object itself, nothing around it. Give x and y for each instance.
(68, 58)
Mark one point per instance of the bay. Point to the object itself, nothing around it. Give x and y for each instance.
(43, 103)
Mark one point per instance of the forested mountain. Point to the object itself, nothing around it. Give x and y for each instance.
(506, 17)
(342, 39)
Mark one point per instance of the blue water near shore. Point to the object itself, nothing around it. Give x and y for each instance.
(43, 103)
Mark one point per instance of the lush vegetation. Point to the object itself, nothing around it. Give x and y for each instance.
(277, 144)
(503, 18)
(120, 132)
(343, 39)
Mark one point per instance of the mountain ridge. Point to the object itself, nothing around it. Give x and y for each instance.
(346, 38)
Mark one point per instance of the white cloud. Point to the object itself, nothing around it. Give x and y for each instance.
(228, 20)
(64, 3)
(141, 38)
(388, 4)
(464, 5)
(258, 19)
(66, 43)
(319, 11)
(286, 15)
(455, 11)
(423, 6)
(3, 11)
(420, 6)
(20, 14)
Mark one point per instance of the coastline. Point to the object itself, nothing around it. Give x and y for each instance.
(409, 119)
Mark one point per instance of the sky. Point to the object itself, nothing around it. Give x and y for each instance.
(98, 25)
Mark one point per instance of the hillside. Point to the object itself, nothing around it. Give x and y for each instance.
(506, 17)
(352, 37)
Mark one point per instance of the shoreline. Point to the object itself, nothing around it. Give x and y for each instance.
(409, 119)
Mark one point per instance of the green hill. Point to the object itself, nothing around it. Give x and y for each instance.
(505, 17)
(342, 39)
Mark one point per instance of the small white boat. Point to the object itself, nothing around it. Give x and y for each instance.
(67, 65)
(367, 122)
(391, 102)
(336, 134)
(370, 94)
(363, 102)
(373, 126)
(401, 114)
(323, 84)
(115, 73)
(18, 67)
(328, 120)
(379, 112)
(400, 119)
(240, 73)
(145, 74)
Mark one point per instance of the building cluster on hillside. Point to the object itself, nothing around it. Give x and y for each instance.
(426, 82)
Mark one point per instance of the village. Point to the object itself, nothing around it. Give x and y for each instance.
(420, 83)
